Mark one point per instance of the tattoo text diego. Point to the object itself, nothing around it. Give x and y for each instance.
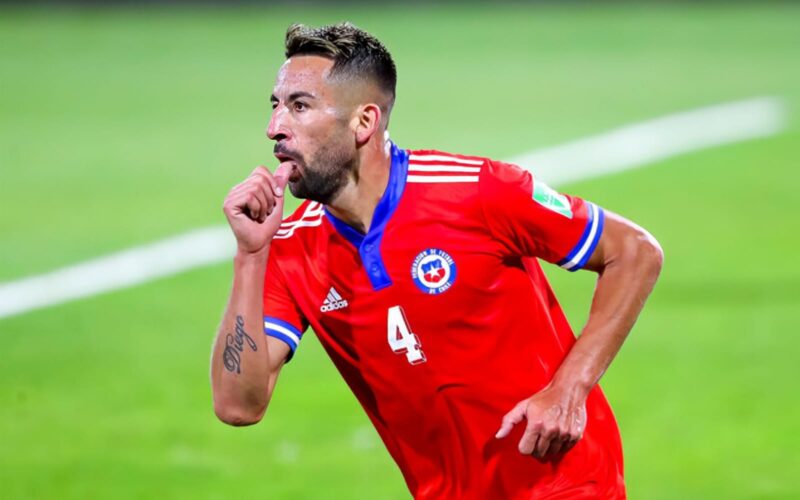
(234, 346)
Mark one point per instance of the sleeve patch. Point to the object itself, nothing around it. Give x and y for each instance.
(550, 199)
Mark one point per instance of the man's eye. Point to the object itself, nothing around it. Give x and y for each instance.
(299, 106)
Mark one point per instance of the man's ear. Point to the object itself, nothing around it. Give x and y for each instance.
(367, 122)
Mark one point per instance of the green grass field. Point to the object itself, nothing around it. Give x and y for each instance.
(120, 127)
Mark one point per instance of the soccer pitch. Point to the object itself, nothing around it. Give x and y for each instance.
(124, 126)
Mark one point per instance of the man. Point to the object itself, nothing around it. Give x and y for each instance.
(417, 270)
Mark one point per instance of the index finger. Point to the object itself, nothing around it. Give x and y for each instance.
(277, 180)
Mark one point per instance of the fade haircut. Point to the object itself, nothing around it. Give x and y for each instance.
(354, 52)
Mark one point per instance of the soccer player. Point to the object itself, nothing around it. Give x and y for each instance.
(418, 272)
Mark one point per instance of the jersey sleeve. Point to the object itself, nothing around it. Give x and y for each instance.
(282, 318)
(531, 219)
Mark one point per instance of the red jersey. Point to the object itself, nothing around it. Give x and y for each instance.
(440, 320)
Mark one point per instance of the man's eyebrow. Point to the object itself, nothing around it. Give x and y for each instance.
(294, 95)
(297, 95)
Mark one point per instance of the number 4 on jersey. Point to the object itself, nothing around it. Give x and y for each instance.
(401, 339)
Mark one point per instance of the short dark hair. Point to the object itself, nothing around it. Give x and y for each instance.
(355, 53)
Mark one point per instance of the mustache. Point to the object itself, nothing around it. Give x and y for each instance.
(280, 149)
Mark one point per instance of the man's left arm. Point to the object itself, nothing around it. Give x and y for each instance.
(628, 261)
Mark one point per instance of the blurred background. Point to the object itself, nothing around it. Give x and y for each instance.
(123, 125)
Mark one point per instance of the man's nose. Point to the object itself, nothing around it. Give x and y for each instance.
(276, 130)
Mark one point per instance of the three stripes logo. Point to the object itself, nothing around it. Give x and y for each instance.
(333, 301)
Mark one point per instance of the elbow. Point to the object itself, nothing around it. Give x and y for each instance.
(649, 254)
(239, 415)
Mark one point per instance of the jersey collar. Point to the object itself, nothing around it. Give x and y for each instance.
(368, 245)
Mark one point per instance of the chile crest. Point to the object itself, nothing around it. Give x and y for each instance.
(433, 271)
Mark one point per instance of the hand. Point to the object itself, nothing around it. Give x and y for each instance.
(254, 208)
(555, 422)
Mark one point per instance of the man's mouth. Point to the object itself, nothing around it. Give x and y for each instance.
(295, 173)
(283, 158)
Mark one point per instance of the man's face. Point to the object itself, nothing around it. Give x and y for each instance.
(310, 127)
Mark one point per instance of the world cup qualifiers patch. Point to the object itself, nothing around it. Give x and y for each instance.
(434, 271)
(547, 197)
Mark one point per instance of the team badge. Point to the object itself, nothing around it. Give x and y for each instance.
(434, 271)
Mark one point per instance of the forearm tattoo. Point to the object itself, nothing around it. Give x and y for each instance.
(234, 346)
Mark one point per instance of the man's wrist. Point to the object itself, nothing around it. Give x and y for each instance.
(247, 258)
(574, 384)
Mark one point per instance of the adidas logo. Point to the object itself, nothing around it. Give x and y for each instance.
(333, 301)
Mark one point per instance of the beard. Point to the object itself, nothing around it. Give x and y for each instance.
(324, 173)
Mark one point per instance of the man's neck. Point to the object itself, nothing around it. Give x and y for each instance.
(356, 203)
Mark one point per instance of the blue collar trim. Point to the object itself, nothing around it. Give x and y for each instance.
(368, 245)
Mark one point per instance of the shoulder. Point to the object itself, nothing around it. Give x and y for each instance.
(430, 166)
(472, 173)
(443, 177)
(434, 166)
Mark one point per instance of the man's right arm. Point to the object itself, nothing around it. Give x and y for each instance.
(245, 363)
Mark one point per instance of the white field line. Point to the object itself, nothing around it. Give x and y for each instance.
(653, 140)
(119, 270)
(620, 149)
